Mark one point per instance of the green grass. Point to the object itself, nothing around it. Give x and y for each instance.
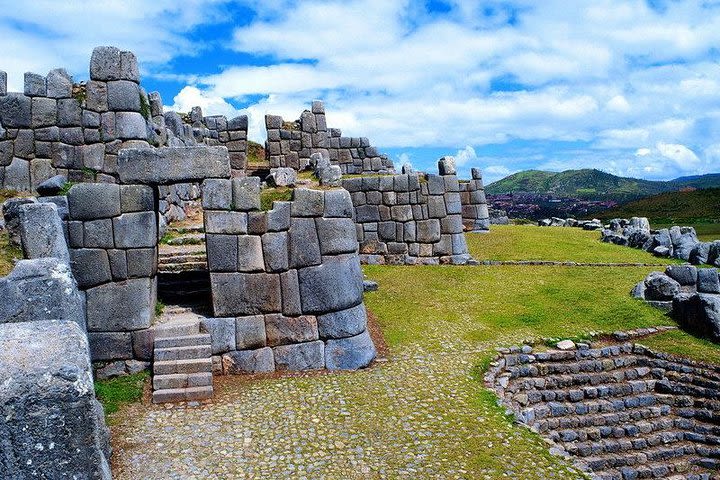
(680, 343)
(159, 307)
(115, 392)
(529, 242)
(8, 255)
(270, 195)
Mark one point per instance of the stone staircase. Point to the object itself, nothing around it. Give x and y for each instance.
(622, 411)
(182, 364)
(185, 252)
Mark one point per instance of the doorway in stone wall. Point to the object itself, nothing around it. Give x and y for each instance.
(183, 277)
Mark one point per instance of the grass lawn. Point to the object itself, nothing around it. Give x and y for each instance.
(530, 242)
(115, 392)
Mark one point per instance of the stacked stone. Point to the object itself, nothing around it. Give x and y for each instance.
(621, 411)
(291, 145)
(403, 220)
(286, 284)
(691, 294)
(476, 216)
(112, 233)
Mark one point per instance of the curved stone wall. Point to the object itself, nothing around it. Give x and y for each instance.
(620, 411)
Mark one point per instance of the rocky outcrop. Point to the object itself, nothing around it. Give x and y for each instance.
(51, 425)
(690, 294)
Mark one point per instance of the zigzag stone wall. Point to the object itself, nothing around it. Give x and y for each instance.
(408, 218)
(292, 144)
(287, 285)
(475, 214)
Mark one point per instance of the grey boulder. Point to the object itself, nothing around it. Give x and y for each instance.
(659, 286)
(350, 353)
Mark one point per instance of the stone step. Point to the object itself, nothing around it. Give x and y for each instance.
(196, 365)
(188, 239)
(676, 469)
(182, 380)
(583, 372)
(574, 395)
(182, 353)
(601, 419)
(177, 328)
(661, 454)
(175, 258)
(625, 445)
(561, 409)
(183, 341)
(183, 394)
(187, 229)
(620, 429)
(183, 267)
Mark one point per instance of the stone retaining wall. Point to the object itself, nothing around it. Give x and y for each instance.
(475, 214)
(409, 218)
(620, 411)
(286, 284)
(292, 144)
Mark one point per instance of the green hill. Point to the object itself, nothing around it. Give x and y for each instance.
(698, 206)
(592, 184)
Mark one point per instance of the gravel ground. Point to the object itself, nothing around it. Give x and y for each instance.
(418, 414)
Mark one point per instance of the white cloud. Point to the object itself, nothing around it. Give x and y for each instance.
(643, 152)
(680, 154)
(465, 156)
(190, 97)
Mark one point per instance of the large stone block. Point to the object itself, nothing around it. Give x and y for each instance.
(250, 254)
(59, 84)
(708, 281)
(278, 219)
(246, 193)
(334, 285)
(344, 323)
(304, 245)
(105, 64)
(282, 330)
(300, 356)
(336, 235)
(169, 165)
(130, 126)
(44, 112)
(308, 203)
(428, 231)
(15, 111)
(224, 222)
(105, 346)
(222, 333)
(122, 306)
(40, 289)
(275, 251)
(141, 262)
(249, 361)
(17, 175)
(222, 252)
(98, 233)
(90, 201)
(52, 426)
(683, 274)
(90, 266)
(135, 230)
(250, 332)
(42, 232)
(350, 353)
(123, 95)
(290, 293)
(217, 194)
(240, 294)
(338, 203)
(659, 286)
(136, 198)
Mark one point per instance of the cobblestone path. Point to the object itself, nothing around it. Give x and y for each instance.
(420, 414)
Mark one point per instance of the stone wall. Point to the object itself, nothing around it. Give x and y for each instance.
(57, 126)
(292, 144)
(690, 294)
(475, 214)
(408, 218)
(112, 233)
(286, 284)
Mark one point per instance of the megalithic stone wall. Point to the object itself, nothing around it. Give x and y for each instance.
(290, 144)
(408, 219)
(112, 233)
(57, 126)
(286, 284)
(475, 212)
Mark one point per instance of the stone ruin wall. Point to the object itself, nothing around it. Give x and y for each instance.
(416, 218)
(59, 127)
(292, 144)
(287, 285)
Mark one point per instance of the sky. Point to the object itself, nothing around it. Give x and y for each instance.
(628, 87)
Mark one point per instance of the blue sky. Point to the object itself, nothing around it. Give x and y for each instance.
(629, 87)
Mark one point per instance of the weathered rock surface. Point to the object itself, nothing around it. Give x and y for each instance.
(51, 425)
(168, 165)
